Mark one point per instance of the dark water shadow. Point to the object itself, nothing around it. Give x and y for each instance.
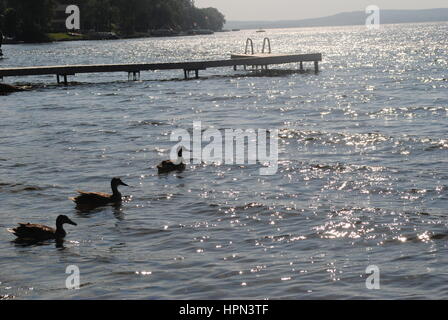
(28, 86)
(20, 187)
(247, 73)
(24, 243)
(86, 211)
(118, 212)
(277, 72)
(176, 173)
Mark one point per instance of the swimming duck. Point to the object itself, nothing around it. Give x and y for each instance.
(97, 199)
(39, 232)
(168, 165)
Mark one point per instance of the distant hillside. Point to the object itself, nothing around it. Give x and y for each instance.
(347, 18)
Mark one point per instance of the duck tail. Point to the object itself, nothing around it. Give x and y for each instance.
(11, 230)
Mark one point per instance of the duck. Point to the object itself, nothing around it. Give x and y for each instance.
(169, 166)
(39, 232)
(98, 199)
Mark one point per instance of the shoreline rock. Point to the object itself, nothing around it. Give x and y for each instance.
(8, 88)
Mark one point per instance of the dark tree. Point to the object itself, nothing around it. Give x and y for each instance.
(30, 20)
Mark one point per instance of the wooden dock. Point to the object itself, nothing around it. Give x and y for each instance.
(310, 58)
(258, 60)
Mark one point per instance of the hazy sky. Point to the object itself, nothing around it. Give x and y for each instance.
(298, 9)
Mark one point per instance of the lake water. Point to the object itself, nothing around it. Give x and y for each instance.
(362, 177)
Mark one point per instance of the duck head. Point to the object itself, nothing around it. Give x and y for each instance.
(62, 219)
(117, 182)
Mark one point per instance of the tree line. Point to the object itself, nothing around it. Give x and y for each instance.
(30, 20)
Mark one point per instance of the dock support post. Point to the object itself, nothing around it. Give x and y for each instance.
(135, 75)
(301, 65)
(187, 74)
(316, 66)
(58, 78)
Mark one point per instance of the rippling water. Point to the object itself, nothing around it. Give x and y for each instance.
(362, 177)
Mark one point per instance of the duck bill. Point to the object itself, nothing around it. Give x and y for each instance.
(124, 184)
(71, 222)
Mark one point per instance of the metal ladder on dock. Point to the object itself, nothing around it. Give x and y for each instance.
(250, 45)
(268, 41)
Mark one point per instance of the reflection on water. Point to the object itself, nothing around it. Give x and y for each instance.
(362, 177)
(59, 243)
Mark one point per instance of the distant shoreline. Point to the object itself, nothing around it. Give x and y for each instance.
(64, 37)
(355, 18)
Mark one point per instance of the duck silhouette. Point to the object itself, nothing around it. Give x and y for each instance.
(99, 199)
(169, 166)
(40, 232)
